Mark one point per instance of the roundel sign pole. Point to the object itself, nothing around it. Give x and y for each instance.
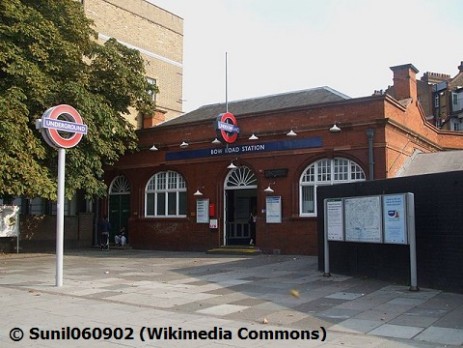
(62, 128)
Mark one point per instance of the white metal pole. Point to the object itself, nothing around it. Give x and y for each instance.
(226, 81)
(412, 242)
(325, 244)
(60, 217)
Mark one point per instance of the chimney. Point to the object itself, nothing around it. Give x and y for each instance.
(153, 120)
(405, 81)
(460, 67)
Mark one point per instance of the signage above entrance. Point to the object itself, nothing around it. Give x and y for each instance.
(227, 128)
(276, 173)
(245, 149)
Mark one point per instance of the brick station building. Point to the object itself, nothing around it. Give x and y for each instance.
(180, 191)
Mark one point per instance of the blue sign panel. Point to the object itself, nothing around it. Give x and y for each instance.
(248, 148)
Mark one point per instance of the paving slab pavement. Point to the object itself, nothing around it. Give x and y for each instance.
(134, 298)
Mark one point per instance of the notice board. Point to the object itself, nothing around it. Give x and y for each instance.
(363, 219)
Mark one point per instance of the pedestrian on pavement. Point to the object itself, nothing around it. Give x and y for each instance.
(104, 227)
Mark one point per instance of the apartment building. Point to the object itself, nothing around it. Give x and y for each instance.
(158, 35)
(445, 94)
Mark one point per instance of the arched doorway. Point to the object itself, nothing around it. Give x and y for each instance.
(119, 205)
(239, 200)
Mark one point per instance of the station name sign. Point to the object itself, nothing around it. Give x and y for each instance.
(284, 145)
(237, 149)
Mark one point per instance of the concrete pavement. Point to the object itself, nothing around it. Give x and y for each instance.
(133, 298)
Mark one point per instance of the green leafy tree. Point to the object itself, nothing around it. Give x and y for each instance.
(49, 56)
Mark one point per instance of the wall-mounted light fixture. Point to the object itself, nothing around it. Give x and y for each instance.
(335, 128)
(216, 141)
(291, 133)
(198, 193)
(253, 137)
(153, 148)
(269, 188)
(184, 144)
(232, 165)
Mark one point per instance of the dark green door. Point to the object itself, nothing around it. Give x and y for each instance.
(119, 212)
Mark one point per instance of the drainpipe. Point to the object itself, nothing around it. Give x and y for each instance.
(371, 161)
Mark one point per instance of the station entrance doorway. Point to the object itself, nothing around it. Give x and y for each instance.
(240, 200)
(119, 205)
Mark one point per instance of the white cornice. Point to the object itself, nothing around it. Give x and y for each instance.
(104, 37)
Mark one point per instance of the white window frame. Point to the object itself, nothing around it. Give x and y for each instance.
(170, 185)
(436, 100)
(152, 94)
(455, 124)
(323, 172)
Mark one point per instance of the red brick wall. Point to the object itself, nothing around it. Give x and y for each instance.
(399, 131)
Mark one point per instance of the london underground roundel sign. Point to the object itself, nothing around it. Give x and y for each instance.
(227, 128)
(62, 126)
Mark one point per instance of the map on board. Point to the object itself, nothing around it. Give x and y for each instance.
(363, 219)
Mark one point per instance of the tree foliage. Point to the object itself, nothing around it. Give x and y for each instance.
(49, 56)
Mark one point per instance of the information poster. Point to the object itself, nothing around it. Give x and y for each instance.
(213, 223)
(202, 211)
(395, 219)
(335, 224)
(273, 209)
(363, 219)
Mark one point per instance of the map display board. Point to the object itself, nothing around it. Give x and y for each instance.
(335, 223)
(363, 220)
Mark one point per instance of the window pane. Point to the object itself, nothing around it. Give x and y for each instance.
(324, 170)
(172, 180)
(149, 204)
(161, 203)
(309, 175)
(152, 94)
(150, 187)
(182, 203)
(181, 182)
(308, 199)
(356, 172)
(341, 169)
(161, 181)
(172, 203)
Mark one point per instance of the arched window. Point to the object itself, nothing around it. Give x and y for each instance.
(325, 172)
(241, 178)
(119, 186)
(165, 195)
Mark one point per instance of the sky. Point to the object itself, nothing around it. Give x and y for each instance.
(280, 46)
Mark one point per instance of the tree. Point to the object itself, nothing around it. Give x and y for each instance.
(49, 56)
